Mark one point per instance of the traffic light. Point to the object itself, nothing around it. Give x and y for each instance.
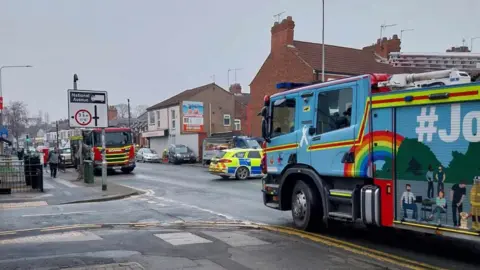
(27, 139)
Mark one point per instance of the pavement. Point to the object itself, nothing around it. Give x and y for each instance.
(65, 189)
(177, 246)
(180, 197)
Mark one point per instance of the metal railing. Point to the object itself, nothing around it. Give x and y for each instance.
(20, 175)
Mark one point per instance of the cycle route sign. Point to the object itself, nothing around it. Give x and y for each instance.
(87, 109)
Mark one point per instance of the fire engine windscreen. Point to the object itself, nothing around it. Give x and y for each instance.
(113, 139)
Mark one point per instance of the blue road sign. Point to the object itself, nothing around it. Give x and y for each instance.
(3, 132)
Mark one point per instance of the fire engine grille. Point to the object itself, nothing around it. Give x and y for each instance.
(117, 158)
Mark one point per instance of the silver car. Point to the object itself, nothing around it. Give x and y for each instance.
(147, 155)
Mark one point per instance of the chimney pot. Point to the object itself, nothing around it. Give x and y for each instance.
(282, 33)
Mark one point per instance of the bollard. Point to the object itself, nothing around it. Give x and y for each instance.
(88, 172)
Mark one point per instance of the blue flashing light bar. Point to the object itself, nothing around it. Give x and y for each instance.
(290, 85)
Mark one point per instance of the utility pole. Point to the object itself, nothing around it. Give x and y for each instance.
(80, 145)
(56, 127)
(129, 115)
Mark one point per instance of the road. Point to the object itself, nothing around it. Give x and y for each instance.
(189, 194)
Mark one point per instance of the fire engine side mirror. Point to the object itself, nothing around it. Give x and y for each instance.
(312, 130)
(264, 129)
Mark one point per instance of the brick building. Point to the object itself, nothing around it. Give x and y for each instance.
(300, 61)
(167, 121)
(241, 122)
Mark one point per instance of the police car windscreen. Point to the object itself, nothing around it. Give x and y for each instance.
(253, 144)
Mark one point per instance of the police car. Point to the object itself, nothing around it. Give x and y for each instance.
(238, 162)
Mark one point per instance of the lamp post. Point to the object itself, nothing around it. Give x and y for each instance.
(323, 40)
(1, 95)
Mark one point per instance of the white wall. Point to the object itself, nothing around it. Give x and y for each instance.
(175, 137)
(161, 115)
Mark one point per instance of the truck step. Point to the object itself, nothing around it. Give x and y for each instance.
(340, 215)
(341, 196)
(343, 193)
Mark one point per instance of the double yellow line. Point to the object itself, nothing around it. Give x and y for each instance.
(325, 240)
(353, 248)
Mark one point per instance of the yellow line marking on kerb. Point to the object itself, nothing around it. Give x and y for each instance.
(353, 248)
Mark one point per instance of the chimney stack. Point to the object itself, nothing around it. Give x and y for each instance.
(235, 89)
(282, 33)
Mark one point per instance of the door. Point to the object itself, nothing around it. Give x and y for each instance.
(335, 130)
(255, 158)
(305, 115)
(283, 128)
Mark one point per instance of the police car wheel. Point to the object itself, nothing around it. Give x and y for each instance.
(242, 173)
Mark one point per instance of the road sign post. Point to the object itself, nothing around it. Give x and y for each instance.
(89, 109)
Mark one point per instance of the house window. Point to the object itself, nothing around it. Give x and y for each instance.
(151, 118)
(173, 119)
(158, 118)
(226, 120)
(334, 110)
(238, 124)
(283, 117)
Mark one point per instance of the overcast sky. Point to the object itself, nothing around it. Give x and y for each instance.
(149, 50)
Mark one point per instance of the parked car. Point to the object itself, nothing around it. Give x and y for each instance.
(179, 153)
(147, 155)
(66, 154)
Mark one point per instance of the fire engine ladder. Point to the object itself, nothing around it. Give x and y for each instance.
(426, 79)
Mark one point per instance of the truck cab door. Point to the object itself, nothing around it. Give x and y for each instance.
(283, 137)
(305, 115)
(332, 145)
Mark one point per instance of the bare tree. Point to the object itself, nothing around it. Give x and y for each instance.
(16, 118)
(122, 110)
(139, 110)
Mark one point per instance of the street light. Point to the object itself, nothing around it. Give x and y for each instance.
(2, 67)
(471, 43)
(323, 40)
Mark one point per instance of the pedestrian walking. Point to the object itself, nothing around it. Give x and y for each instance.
(53, 160)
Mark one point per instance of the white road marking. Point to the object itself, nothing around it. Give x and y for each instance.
(59, 214)
(22, 204)
(151, 202)
(65, 182)
(54, 237)
(143, 199)
(47, 185)
(161, 204)
(195, 207)
(182, 238)
(236, 239)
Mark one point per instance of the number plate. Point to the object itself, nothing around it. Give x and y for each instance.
(117, 168)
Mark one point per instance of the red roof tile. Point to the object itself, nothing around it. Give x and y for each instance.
(342, 60)
(179, 97)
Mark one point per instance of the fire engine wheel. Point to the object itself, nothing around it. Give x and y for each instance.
(304, 206)
(242, 173)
